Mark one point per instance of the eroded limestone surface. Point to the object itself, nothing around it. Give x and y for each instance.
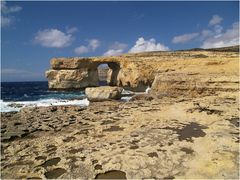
(160, 138)
(138, 71)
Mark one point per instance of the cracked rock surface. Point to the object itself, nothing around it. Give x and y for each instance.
(162, 138)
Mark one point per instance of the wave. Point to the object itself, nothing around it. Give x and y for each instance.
(148, 89)
(18, 105)
(53, 99)
(126, 98)
(127, 92)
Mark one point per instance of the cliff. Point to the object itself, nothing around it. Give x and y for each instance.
(137, 71)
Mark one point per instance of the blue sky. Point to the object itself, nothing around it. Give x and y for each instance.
(34, 32)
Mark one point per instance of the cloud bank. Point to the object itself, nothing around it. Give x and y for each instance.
(184, 38)
(217, 36)
(213, 37)
(216, 19)
(71, 30)
(93, 44)
(53, 38)
(7, 12)
(81, 50)
(116, 49)
(143, 45)
(228, 38)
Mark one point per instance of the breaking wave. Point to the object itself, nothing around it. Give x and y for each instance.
(12, 106)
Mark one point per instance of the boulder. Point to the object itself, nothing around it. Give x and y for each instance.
(103, 93)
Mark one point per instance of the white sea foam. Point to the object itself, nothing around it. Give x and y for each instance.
(127, 92)
(16, 106)
(126, 98)
(127, 95)
(147, 90)
(6, 107)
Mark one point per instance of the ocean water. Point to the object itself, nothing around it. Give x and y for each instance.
(16, 95)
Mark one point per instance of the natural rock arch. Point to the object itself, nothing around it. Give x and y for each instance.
(79, 73)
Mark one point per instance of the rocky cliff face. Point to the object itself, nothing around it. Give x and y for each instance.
(194, 85)
(180, 70)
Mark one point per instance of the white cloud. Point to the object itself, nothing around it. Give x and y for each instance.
(229, 38)
(205, 33)
(53, 38)
(71, 30)
(118, 45)
(113, 52)
(214, 37)
(6, 21)
(184, 38)
(218, 29)
(81, 50)
(116, 49)
(6, 10)
(216, 19)
(6, 14)
(215, 31)
(143, 45)
(93, 44)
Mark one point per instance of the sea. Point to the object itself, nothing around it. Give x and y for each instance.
(17, 95)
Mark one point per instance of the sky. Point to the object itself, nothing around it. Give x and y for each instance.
(34, 32)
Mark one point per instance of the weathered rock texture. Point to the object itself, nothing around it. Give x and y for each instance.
(103, 93)
(169, 138)
(77, 73)
(180, 84)
(137, 71)
(172, 137)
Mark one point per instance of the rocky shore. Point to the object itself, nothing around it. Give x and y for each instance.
(155, 138)
(187, 127)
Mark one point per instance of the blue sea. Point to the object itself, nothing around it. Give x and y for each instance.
(16, 95)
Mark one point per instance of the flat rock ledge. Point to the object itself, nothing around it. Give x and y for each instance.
(103, 93)
(167, 138)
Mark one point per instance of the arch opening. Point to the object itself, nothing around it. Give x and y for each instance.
(108, 73)
(103, 71)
